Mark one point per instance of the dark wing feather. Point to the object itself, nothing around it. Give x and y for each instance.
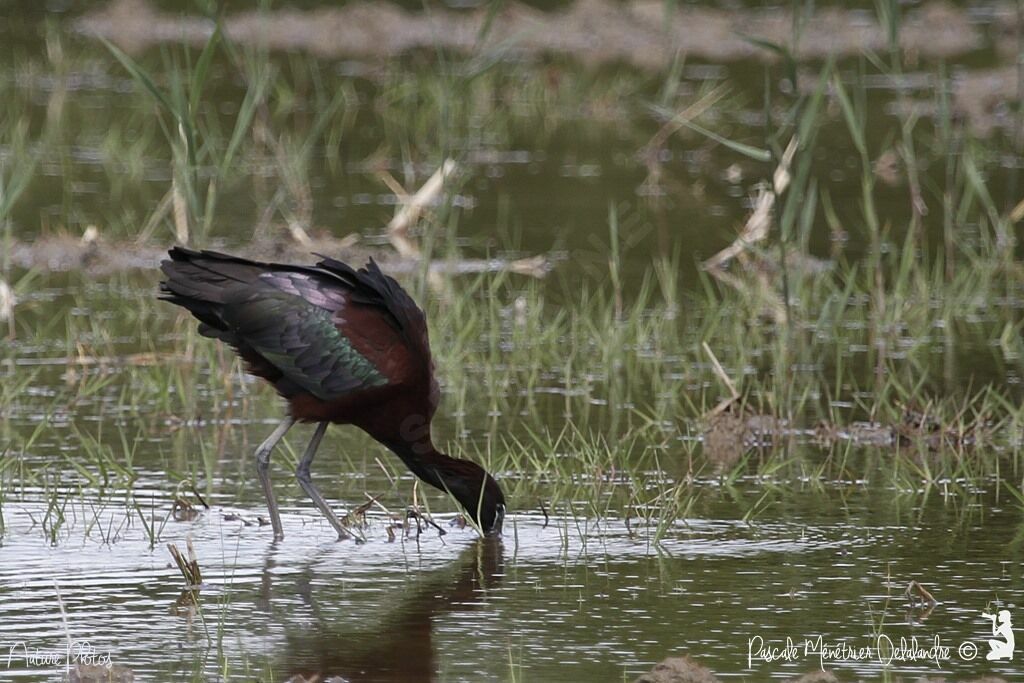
(279, 317)
(371, 287)
(373, 290)
(301, 340)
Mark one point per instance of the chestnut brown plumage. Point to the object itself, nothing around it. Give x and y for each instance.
(341, 346)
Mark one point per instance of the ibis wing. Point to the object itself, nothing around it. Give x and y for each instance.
(301, 339)
(287, 320)
(372, 287)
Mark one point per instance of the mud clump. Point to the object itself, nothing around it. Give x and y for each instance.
(685, 670)
(678, 670)
(737, 429)
(100, 673)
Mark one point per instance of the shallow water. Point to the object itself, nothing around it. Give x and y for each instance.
(573, 592)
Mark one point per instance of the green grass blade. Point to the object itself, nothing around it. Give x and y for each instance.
(755, 153)
(202, 69)
(140, 76)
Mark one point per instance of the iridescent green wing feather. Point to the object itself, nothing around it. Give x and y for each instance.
(300, 338)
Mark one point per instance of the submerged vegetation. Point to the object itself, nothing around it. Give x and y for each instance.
(770, 283)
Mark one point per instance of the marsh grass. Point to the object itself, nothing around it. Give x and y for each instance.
(592, 391)
(599, 403)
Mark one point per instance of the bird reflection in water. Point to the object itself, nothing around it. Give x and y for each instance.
(401, 647)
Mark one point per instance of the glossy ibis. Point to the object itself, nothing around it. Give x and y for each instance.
(340, 345)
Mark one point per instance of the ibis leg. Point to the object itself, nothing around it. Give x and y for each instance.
(306, 481)
(263, 467)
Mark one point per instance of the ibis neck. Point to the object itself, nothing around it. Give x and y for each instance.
(464, 480)
(422, 459)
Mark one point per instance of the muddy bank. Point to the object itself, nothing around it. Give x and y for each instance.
(643, 32)
(100, 257)
(738, 428)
